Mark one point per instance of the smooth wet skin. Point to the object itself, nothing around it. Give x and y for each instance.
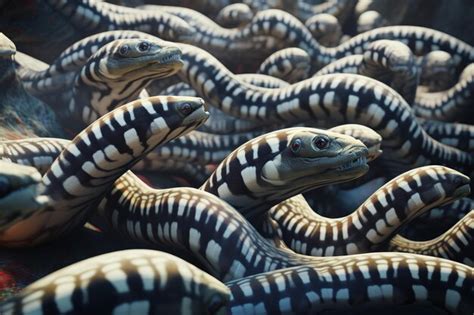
(284, 163)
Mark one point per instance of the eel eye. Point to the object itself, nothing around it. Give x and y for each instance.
(321, 142)
(296, 145)
(123, 50)
(143, 46)
(186, 108)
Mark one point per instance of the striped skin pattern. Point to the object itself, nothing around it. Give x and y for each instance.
(193, 223)
(174, 220)
(254, 39)
(92, 16)
(289, 64)
(117, 73)
(37, 152)
(124, 282)
(101, 153)
(456, 244)
(292, 33)
(450, 105)
(349, 283)
(113, 76)
(284, 163)
(334, 99)
(203, 148)
(457, 135)
(20, 195)
(394, 64)
(387, 61)
(393, 205)
(72, 59)
(376, 106)
(325, 28)
(234, 15)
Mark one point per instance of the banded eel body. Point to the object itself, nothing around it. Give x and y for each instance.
(203, 148)
(420, 40)
(112, 76)
(72, 59)
(123, 282)
(235, 15)
(253, 39)
(333, 99)
(37, 152)
(92, 16)
(289, 64)
(456, 244)
(454, 104)
(101, 153)
(325, 28)
(175, 220)
(349, 284)
(389, 208)
(284, 163)
(457, 135)
(387, 61)
(234, 249)
(20, 195)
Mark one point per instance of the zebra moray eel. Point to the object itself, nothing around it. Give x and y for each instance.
(393, 205)
(123, 282)
(278, 165)
(112, 76)
(97, 156)
(232, 248)
(310, 99)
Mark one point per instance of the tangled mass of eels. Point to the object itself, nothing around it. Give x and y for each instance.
(225, 157)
